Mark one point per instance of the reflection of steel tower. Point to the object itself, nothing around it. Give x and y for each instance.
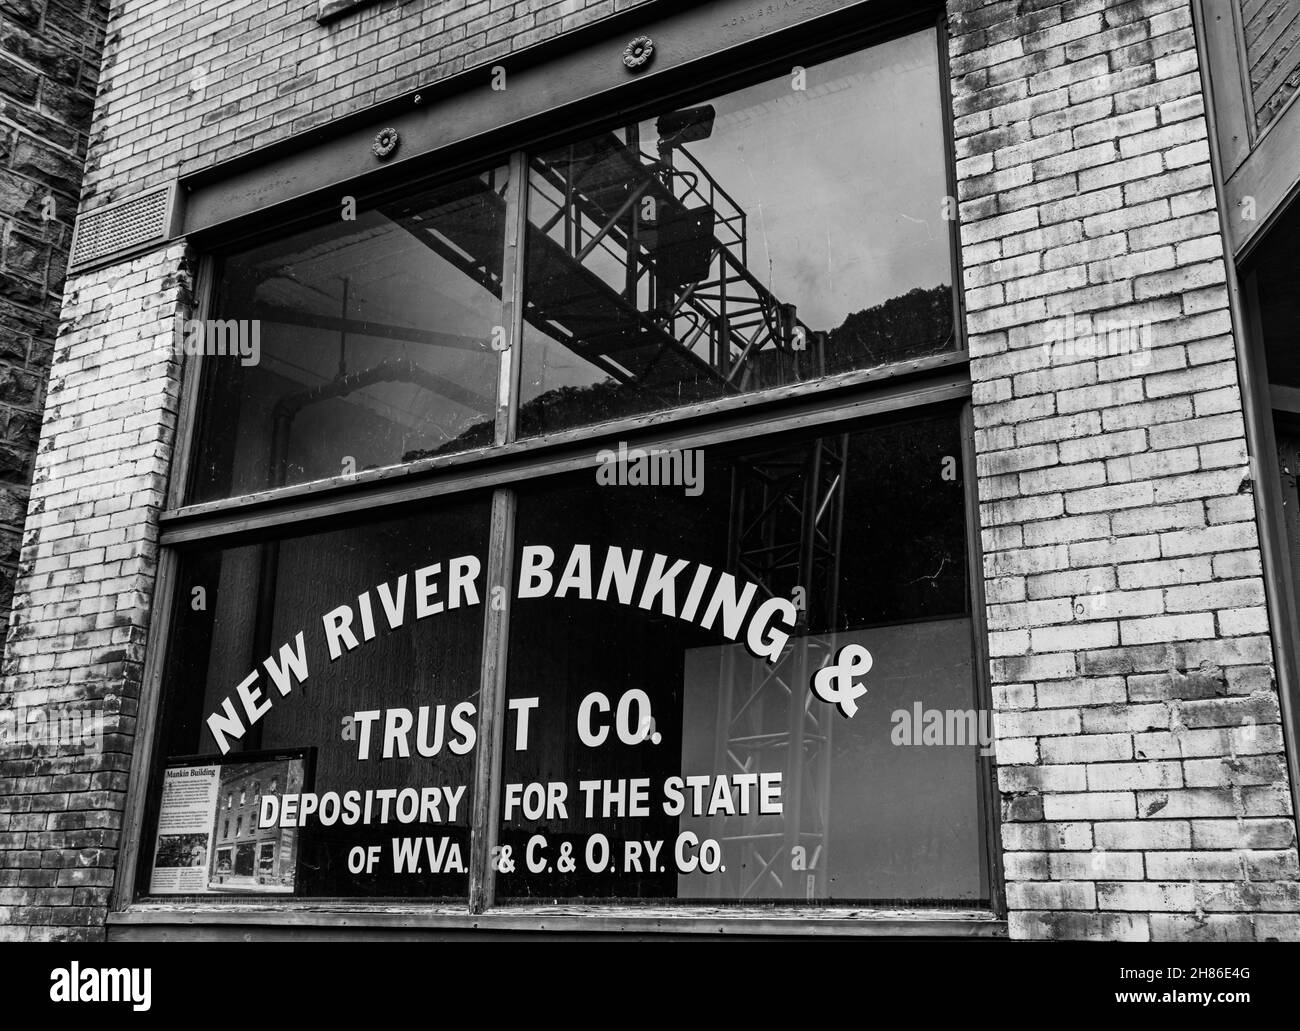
(639, 264)
(787, 512)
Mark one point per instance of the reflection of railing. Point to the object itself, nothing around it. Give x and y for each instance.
(668, 242)
(740, 237)
(638, 264)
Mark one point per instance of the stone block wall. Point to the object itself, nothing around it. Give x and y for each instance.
(49, 68)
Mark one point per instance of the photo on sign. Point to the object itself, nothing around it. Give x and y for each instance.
(182, 850)
(246, 856)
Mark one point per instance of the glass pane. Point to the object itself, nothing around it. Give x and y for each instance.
(688, 686)
(368, 344)
(382, 619)
(780, 233)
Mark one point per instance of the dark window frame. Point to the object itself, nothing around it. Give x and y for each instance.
(919, 386)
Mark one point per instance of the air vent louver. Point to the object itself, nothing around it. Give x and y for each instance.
(123, 227)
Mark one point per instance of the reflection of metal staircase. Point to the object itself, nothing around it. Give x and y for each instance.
(671, 243)
(637, 265)
(787, 520)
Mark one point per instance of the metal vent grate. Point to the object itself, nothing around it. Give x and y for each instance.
(127, 225)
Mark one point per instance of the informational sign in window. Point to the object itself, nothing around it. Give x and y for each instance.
(209, 838)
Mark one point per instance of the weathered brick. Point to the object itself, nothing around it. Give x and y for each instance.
(1051, 895)
(1121, 561)
(1143, 834)
(1151, 896)
(1062, 924)
(1090, 805)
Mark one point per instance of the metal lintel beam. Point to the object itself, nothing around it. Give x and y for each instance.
(575, 79)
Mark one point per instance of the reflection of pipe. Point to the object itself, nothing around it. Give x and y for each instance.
(391, 370)
(788, 319)
(343, 333)
(263, 617)
(360, 327)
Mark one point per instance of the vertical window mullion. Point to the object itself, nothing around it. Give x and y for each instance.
(492, 702)
(191, 370)
(512, 299)
(496, 622)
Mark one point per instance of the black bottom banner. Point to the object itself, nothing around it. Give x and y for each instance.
(150, 981)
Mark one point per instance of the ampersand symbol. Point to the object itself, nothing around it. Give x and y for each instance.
(504, 863)
(566, 863)
(836, 683)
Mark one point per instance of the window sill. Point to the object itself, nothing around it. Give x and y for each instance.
(154, 921)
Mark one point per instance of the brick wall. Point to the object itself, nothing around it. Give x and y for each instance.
(1140, 757)
(1139, 742)
(76, 640)
(49, 64)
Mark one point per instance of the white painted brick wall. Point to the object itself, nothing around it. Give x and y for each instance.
(1140, 753)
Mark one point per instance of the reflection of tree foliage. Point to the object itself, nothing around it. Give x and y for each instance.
(581, 406)
(913, 325)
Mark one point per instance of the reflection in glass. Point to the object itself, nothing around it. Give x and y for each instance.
(868, 534)
(771, 236)
(375, 344)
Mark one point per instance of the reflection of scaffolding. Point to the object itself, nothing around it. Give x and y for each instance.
(787, 521)
(640, 265)
(636, 263)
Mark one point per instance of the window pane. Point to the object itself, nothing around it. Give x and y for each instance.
(774, 235)
(866, 533)
(403, 660)
(370, 344)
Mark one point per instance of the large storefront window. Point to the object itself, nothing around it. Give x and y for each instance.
(279, 645)
(671, 622)
(861, 530)
(661, 643)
